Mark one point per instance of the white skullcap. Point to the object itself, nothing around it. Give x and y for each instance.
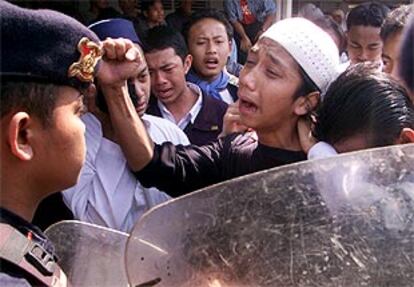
(311, 47)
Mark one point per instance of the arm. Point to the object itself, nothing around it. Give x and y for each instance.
(269, 14)
(122, 61)
(231, 10)
(269, 20)
(178, 170)
(245, 43)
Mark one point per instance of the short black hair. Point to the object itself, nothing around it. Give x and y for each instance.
(164, 37)
(308, 86)
(396, 21)
(146, 4)
(212, 14)
(37, 99)
(367, 14)
(407, 56)
(364, 101)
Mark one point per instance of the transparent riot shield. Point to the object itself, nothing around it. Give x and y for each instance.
(342, 221)
(89, 254)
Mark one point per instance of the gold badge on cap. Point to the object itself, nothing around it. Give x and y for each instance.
(83, 69)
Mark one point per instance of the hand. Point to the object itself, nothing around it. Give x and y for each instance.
(121, 59)
(245, 44)
(305, 134)
(232, 121)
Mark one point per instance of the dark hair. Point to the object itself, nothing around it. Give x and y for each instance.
(364, 101)
(328, 24)
(395, 21)
(146, 4)
(407, 56)
(367, 14)
(208, 13)
(307, 86)
(163, 37)
(34, 98)
(107, 13)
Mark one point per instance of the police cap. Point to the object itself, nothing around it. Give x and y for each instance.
(46, 46)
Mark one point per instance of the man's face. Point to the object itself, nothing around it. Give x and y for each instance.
(156, 13)
(101, 4)
(62, 154)
(210, 47)
(167, 72)
(364, 44)
(268, 83)
(142, 85)
(391, 54)
(127, 5)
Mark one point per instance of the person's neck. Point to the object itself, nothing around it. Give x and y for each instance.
(283, 137)
(19, 201)
(208, 79)
(183, 104)
(133, 13)
(152, 24)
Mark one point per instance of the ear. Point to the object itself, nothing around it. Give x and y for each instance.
(19, 136)
(306, 104)
(188, 61)
(406, 136)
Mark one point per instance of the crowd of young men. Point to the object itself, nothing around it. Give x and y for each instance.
(290, 71)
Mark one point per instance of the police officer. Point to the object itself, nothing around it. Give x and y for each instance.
(42, 141)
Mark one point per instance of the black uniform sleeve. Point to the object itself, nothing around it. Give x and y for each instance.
(179, 169)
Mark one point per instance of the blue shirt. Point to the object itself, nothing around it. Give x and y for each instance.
(260, 9)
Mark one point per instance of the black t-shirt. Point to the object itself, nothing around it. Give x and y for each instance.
(178, 170)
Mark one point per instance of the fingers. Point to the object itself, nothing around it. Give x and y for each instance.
(232, 120)
(122, 59)
(305, 134)
(232, 114)
(108, 47)
(120, 50)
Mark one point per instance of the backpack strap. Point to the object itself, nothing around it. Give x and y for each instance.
(30, 256)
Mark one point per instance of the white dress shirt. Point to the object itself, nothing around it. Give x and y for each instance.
(108, 193)
(192, 113)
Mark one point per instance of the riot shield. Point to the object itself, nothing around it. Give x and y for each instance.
(342, 221)
(89, 254)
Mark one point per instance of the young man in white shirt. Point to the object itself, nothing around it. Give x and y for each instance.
(198, 114)
(107, 193)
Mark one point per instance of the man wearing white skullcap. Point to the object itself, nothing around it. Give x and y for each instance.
(285, 75)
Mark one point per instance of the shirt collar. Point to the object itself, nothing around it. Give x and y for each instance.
(192, 113)
(195, 110)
